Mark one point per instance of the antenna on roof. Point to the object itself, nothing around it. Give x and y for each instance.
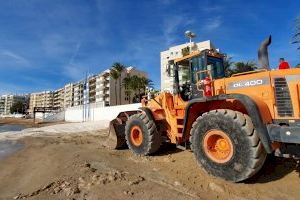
(189, 34)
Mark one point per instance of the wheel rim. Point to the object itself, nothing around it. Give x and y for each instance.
(136, 135)
(218, 146)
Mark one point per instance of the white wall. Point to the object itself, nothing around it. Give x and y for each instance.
(97, 113)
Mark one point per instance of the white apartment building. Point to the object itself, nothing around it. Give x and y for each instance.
(41, 99)
(6, 102)
(103, 88)
(167, 83)
(92, 88)
(78, 93)
(111, 92)
(58, 98)
(68, 95)
(98, 89)
(2, 105)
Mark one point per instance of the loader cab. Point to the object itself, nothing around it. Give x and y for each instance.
(195, 67)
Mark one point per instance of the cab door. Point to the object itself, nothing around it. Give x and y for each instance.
(197, 65)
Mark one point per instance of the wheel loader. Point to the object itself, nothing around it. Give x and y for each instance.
(229, 123)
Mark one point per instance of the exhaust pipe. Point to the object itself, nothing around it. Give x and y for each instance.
(263, 57)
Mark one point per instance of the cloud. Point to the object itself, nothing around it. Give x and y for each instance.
(75, 72)
(78, 45)
(212, 24)
(13, 88)
(172, 24)
(212, 8)
(166, 2)
(57, 45)
(8, 55)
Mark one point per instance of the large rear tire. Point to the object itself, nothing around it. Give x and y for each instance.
(226, 145)
(141, 134)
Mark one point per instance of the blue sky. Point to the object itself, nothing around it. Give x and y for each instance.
(45, 44)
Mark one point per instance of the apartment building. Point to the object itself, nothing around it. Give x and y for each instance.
(2, 105)
(41, 99)
(92, 88)
(98, 89)
(130, 71)
(103, 88)
(68, 95)
(6, 102)
(78, 93)
(112, 92)
(58, 98)
(167, 83)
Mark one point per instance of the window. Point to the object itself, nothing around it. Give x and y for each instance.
(198, 64)
(216, 66)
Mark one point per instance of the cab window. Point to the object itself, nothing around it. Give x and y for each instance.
(216, 66)
(198, 64)
(201, 64)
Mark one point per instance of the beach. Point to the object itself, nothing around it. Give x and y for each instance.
(77, 165)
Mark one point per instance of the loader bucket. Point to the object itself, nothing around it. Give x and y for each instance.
(116, 136)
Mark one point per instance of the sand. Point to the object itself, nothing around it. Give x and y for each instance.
(78, 166)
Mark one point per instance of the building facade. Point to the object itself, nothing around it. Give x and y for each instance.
(103, 88)
(6, 102)
(2, 105)
(58, 98)
(78, 93)
(98, 89)
(167, 83)
(110, 92)
(68, 95)
(41, 99)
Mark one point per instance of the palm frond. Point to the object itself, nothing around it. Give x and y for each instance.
(296, 35)
(295, 42)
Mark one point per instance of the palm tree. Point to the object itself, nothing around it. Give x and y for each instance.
(119, 68)
(115, 75)
(145, 82)
(296, 36)
(142, 83)
(135, 84)
(228, 64)
(128, 85)
(240, 67)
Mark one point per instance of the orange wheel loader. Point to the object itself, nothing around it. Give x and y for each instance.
(230, 124)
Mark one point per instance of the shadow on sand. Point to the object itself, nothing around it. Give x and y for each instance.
(274, 168)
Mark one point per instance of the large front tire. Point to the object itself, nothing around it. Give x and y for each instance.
(225, 143)
(141, 134)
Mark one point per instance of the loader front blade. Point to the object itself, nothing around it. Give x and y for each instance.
(116, 135)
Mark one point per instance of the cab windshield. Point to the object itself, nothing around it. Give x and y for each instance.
(200, 65)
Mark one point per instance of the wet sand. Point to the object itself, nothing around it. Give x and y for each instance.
(27, 123)
(9, 147)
